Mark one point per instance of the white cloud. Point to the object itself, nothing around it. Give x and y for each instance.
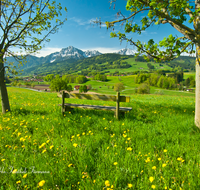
(153, 33)
(80, 22)
(46, 51)
(103, 49)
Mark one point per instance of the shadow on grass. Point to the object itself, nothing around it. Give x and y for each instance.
(130, 116)
(23, 111)
(187, 110)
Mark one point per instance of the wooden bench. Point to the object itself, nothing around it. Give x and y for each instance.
(117, 109)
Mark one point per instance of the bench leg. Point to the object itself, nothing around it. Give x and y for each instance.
(121, 114)
(116, 115)
(66, 108)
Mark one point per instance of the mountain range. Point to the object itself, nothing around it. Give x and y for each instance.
(70, 53)
(73, 60)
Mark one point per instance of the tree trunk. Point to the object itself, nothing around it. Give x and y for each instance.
(197, 91)
(3, 89)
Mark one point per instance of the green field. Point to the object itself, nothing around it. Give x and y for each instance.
(155, 146)
(129, 83)
(186, 75)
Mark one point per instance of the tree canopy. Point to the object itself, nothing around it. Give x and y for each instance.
(176, 13)
(183, 15)
(25, 24)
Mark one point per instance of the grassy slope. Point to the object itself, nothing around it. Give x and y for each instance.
(128, 81)
(91, 150)
(139, 66)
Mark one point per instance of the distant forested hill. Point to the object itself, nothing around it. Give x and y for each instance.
(100, 63)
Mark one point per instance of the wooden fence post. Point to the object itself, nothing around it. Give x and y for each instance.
(117, 105)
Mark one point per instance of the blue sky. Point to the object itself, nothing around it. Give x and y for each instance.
(80, 32)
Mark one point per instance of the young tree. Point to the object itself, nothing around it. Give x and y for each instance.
(80, 89)
(69, 88)
(58, 84)
(143, 88)
(84, 88)
(119, 87)
(175, 13)
(24, 24)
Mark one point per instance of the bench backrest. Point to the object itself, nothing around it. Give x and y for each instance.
(100, 97)
(96, 97)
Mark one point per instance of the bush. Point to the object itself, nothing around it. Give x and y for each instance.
(89, 86)
(84, 88)
(144, 88)
(69, 88)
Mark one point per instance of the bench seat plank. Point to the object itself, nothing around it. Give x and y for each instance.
(98, 107)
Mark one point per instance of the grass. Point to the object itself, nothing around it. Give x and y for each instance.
(139, 66)
(187, 75)
(155, 146)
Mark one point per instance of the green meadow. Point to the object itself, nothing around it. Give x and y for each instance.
(155, 146)
(130, 85)
(139, 66)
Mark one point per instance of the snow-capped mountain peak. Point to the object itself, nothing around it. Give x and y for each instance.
(92, 53)
(126, 52)
(75, 53)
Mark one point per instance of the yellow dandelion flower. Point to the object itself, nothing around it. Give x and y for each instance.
(164, 150)
(41, 183)
(154, 167)
(44, 151)
(18, 182)
(124, 135)
(107, 183)
(147, 160)
(164, 165)
(51, 146)
(153, 186)
(94, 181)
(75, 145)
(115, 163)
(69, 165)
(159, 159)
(22, 139)
(3, 160)
(129, 148)
(25, 175)
(151, 179)
(14, 171)
(43, 144)
(130, 185)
